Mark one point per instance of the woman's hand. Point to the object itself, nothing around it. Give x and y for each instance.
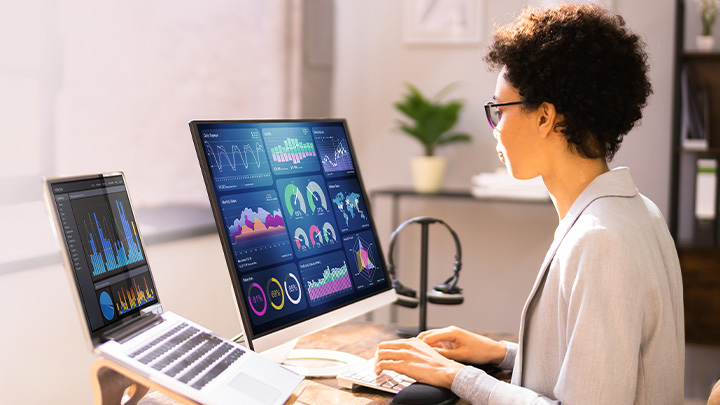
(417, 360)
(463, 346)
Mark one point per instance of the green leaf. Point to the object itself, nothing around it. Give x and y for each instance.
(430, 120)
(457, 137)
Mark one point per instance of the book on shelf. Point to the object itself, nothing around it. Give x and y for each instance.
(695, 123)
(706, 204)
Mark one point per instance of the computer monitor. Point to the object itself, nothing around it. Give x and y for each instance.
(295, 225)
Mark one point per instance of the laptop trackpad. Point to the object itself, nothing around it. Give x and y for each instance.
(254, 388)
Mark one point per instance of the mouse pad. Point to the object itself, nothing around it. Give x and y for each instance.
(424, 394)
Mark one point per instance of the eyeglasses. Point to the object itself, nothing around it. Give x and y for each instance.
(493, 115)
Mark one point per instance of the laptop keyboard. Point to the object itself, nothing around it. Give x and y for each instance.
(188, 355)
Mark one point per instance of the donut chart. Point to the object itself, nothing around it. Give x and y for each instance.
(257, 298)
(276, 293)
(292, 288)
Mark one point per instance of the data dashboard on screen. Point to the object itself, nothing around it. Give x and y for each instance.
(293, 216)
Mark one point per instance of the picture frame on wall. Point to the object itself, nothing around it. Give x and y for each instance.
(442, 21)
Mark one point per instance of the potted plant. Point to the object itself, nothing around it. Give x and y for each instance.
(708, 11)
(430, 122)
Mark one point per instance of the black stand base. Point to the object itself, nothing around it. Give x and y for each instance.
(407, 333)
(410, 332)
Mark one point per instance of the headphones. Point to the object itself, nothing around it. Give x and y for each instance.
(447, 293)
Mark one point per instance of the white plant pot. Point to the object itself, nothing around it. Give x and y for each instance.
(428, 173)
(704, 42)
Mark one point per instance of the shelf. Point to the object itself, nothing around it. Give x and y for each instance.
(396, 192)
(699, 264)
(709, 152)
(697, 55)
(687, 247)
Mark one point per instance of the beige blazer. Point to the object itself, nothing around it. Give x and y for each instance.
(604, 321)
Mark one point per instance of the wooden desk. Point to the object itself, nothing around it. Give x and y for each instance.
(354, 337)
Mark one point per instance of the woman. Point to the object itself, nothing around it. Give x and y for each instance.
(604, 321)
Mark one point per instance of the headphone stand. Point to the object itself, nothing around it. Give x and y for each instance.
(422, 322)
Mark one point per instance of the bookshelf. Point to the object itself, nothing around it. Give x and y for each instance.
(693, 193)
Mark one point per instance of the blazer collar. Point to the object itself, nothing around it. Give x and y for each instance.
(614, 183)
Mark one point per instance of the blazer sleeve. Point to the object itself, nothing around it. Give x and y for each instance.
(602, 294)
(604, 290)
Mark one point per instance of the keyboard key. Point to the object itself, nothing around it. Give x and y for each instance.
(186, 361)
(209, 344)
(167, 346)
(218, 368)
(158, 340)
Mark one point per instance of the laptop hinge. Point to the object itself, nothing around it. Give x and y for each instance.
(126, 332)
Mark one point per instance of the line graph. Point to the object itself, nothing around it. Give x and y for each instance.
(333, 150)
(220, 151)
(236, 158)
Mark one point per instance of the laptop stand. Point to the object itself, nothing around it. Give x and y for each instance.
(110, 380)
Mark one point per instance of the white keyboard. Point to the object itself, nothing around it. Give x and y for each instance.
(364, 374)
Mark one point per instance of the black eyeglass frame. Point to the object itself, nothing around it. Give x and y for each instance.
(491, 104)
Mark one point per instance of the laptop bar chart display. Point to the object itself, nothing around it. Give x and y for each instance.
(103, 241)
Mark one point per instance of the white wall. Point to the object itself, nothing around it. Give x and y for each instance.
(134, 73)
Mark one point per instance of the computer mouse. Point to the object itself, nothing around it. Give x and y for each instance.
(424, 394)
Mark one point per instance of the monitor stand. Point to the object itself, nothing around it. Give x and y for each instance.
(312, 362)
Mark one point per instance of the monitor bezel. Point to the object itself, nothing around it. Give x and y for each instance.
(97, 337)
(301, 327)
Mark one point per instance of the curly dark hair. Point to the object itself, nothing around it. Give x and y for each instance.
(584, 61)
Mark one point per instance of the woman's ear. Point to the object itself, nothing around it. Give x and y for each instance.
(546, 118)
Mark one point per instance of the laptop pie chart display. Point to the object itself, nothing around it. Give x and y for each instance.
(106, 306)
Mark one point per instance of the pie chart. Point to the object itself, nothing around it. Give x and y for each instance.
(106, 305)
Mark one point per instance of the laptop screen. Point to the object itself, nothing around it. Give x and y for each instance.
(293, 217)
(103, 247)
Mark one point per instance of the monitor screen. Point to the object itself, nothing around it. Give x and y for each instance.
(102, 248)
(294, 221)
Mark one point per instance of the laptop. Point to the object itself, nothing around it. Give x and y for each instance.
(118, 301)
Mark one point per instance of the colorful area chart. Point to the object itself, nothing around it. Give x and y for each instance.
(256, 229)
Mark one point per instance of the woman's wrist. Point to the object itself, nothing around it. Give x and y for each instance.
(451, 371)
(500, 351)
